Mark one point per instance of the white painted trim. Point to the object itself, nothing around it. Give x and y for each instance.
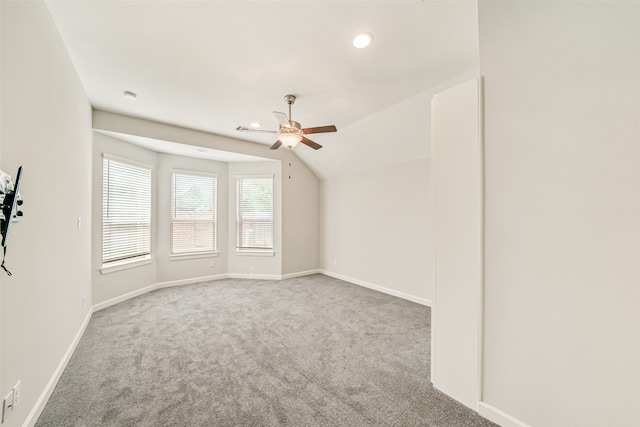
(190, 281)
(480, 365)
(254, 276)
(193, 255)
(299, 274)
(254, 252)
(113, 301)
(124, 265)
(126, 161)
(51, 385)
(499, 417)
(153, 287)
(378, 288)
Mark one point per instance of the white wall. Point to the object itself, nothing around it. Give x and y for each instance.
(457, 199)
(398, 168)
(46, 127)
(376, 228)
(397, 134)
(562, 153)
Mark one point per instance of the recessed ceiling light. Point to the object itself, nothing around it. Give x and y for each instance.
(362, 40)
(130, 95)
(255, 125)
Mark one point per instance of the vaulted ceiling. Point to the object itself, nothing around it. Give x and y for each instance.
(213, 65)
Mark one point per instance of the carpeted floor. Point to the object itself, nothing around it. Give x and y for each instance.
(311, 351)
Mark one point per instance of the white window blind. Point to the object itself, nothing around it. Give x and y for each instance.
(126, 211)
(193, 212)
(254, 212)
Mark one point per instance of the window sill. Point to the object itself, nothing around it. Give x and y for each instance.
(193, 255)
(124, 265)
(255, 252)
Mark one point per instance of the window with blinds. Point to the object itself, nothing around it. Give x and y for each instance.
(126, 211)
(254, 212)
(193, 212)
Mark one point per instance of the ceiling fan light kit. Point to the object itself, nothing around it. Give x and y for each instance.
(291, 132)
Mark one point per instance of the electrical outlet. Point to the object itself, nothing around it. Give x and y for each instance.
(335, 261)
(83, 301)
(7, 406)
(212, 264)
(79, 222)
(16, 394)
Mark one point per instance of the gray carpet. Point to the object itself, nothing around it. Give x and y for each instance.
(311, 351)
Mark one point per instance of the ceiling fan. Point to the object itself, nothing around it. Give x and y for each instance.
(290, 132)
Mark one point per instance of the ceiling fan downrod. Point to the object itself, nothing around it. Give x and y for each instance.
(290, 99)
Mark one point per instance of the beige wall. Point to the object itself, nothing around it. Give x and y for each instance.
(300, 217)
(170, 269)
(46, 127)
(296, 198)
(257, 266)
(118, 283)
(163, 268)
(562, 168)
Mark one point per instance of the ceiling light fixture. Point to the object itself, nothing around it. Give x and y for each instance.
(290, 136)
(362, 40)
(130, 95)
(255, 125)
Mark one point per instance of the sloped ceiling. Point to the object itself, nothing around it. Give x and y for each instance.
(213, 65)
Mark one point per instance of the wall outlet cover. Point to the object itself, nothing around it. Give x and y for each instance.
(7, 406)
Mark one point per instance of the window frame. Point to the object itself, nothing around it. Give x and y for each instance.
(254, 251)
(134, 260)
(193, 254)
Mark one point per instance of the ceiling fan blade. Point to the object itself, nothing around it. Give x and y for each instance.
(310, 143)
(320, 129)
(246, 129)
(276, 145)
(282, 119)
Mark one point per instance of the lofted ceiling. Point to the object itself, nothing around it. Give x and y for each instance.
(214, 65)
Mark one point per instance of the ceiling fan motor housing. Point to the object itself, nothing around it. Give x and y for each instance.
(295, 128)
(290, 132)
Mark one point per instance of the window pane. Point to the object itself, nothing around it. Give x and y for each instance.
(126, 211)
(254, 213)
(193, 213)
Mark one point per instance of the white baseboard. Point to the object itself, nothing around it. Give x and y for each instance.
(499, 417)
(161, 285)
(190, 281)
(254, 276)
(113, 301)
(389, 291)
(153, 287)
(299, 274)
(51, 385)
